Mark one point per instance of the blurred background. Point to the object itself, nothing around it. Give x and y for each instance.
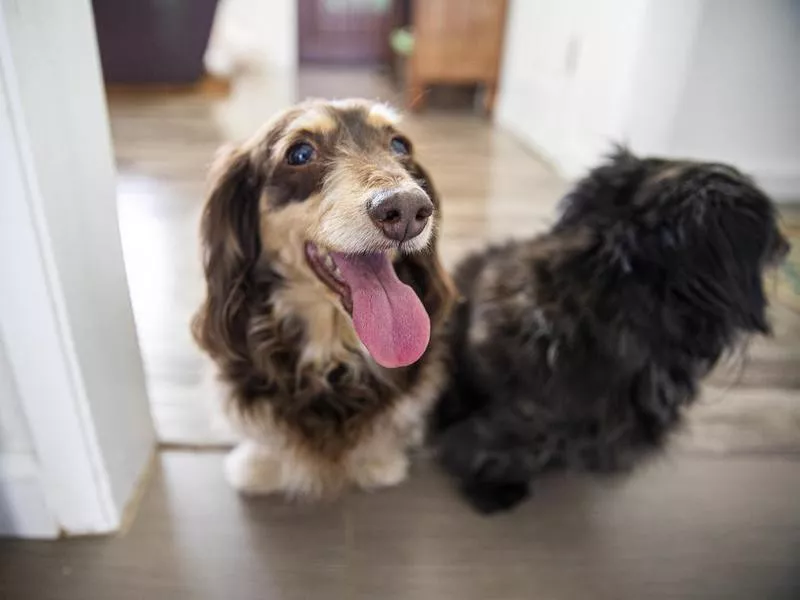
(507, 101)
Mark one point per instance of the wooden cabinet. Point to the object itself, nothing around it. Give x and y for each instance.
(455, 41)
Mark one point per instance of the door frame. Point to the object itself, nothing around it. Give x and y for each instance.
(66, 323)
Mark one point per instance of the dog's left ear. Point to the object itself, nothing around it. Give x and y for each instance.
(231, 247)
(423, 270)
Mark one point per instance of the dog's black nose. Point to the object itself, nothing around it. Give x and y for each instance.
(402, 215)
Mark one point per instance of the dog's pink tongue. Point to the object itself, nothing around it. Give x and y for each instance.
(388, 316)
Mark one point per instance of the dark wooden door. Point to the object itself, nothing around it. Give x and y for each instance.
(341, 32)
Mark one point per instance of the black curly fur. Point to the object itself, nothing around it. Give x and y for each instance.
(581, 347)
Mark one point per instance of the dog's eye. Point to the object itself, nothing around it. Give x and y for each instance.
(400, 146)
(300, 154)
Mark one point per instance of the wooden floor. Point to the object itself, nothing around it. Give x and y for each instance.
(685, 529)
(493, 188)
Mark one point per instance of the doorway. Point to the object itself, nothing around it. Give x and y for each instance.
(346, 32)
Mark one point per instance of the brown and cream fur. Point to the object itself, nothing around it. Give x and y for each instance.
(316, 411)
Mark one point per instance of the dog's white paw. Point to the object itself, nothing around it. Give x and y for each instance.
(415, 436)
(252, 469)
(380, 472)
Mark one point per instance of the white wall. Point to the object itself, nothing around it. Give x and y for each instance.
(14, 436)
(534, 72)
(741, 99)
(566, 66)
(23, 506)
(664, 52)
(705, 79)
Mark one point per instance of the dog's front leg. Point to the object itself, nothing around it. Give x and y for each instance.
(253, 468)
(379, 461)
(493, 459)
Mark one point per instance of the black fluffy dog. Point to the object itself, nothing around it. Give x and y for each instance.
(580, 348)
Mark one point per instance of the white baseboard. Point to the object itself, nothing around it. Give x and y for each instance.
(542, 153)
(782, 184)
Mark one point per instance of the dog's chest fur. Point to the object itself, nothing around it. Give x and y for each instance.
(319, 384)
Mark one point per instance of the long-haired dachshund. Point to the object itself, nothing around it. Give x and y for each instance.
(324, 298)
(581, 347)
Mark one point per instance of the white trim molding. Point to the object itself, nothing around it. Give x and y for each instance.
(782, 182)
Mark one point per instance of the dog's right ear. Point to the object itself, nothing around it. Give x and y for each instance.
(231, 244)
